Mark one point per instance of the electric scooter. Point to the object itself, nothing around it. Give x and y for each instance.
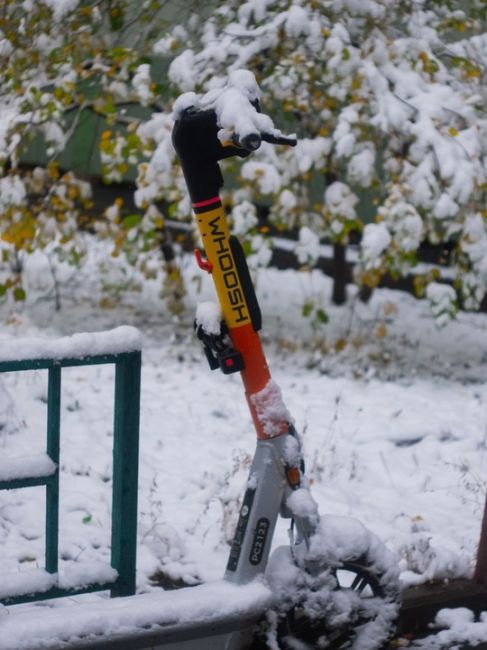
(336, 585)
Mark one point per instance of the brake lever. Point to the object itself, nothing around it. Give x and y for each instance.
(281, 139)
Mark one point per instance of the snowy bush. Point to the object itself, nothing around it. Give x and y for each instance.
(308, 247)
(384, 96)
(64, 63)
(443, 303)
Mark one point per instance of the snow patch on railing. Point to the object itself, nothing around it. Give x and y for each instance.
(76, 575)
(26, 467)
(85, 344)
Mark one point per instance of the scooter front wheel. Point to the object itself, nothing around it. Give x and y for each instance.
(361, 586)
(328, 601)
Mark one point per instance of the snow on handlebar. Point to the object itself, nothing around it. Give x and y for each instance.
(224, 122)
(237, 110)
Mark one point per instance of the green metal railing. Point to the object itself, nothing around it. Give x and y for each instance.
(125, 472)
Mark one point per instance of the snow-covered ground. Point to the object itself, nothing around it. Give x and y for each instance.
(391, 410)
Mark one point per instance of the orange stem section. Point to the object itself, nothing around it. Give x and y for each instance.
(255, 375)
(213, 227)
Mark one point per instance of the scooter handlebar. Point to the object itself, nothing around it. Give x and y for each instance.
(195, 138)
(288, 140)
(253, 141)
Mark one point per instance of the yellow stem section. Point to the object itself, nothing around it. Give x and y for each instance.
(215, 235)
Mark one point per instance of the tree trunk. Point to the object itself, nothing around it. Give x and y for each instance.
(339, 296)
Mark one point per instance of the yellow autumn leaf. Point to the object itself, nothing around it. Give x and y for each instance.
(340, 344)
(390, 309)
(381, 331)
(53, 171)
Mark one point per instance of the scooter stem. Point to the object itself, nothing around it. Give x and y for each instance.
(199, 149)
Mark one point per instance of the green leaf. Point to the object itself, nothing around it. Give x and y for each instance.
(109, 108)
(131, 221)
(247, 248)
(56, 55)
(117, 17)
(3, 289)
(119, 53)
(307, 309)
(160, 88)
(322, 316)
(19, 294)
(87, 519)
(133, 140)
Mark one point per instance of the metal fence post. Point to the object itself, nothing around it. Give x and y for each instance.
(52, 485)
(480, 574)
(125, 472)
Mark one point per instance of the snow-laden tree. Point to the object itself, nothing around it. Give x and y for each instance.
(387, 97)
(62, 60)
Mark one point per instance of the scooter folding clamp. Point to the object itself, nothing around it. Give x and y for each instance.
(219, 350)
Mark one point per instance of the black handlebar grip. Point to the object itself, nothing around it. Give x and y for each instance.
(281, 139)
(251, 142)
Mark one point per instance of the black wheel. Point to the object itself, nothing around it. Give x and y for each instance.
(338, 605)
